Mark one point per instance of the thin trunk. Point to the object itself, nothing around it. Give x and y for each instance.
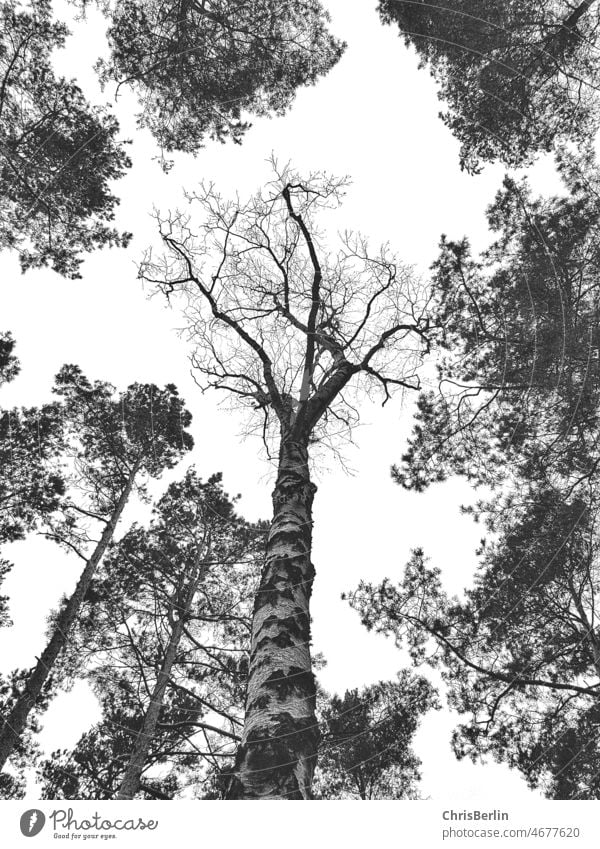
(130, 784)
(277, 755)
(16, 721)
(566, 32)
(589, 634)
(577, 14)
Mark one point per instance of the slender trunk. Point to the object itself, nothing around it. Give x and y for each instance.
(577, 14)
(589, 634)
(277, 754)
(15, 723)
(130, 783)
(566, 32)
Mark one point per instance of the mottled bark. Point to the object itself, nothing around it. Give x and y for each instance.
(277, 755)
(14, 724)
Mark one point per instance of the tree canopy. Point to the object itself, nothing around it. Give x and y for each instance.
(112, 446)
(516, 409)
(366, 738)
(165, 635)
(58, 153)
(201, 68)
(518, 383)
(517, 78)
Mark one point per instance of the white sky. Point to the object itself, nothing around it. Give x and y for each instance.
(373, 117)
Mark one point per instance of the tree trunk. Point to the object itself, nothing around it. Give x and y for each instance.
(566, 32)
(15, 723)
(577, 14)
(130, 784)
(277, 754)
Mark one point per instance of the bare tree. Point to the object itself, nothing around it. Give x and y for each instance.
(296, 334)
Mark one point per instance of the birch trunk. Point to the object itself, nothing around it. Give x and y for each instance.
(277, 754)
(16, 721)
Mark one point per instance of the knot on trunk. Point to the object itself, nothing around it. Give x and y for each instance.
(286, 492)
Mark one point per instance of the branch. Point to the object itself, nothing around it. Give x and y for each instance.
(234, 325)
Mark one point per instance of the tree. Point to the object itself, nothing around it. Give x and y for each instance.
(520, 654)
(518, 386)
(217, 541)
(13, 782)
(517, 411)
(517, 78)
(58, 154)
(30, 439)
(31, 480)
(9, 364)
(200, 67)
(295, 335)
(116, 445)
(165, 639)
(366, 740)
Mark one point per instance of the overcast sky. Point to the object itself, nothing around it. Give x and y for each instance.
(374, 117)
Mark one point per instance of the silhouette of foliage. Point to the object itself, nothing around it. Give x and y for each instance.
(517, 78)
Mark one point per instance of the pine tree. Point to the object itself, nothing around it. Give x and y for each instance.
(116, 444)
(517, 411)
(166, 637)
(31, 479)
(200, 69)
(58, 153)
(366, 740)
(517, 78)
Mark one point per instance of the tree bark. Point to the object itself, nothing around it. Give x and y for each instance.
(130, 783)
(14, 725)
(132, 780)
(277, 754)
(577, 14)
(559, 40)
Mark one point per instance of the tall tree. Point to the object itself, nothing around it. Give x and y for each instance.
(517, 410)
(31, 478)
(26, 752)
(30, 441)
(200, 68)
(520, 653)
(297, 335)
(166, 637)
(58, 153)
(518, 391)
(366, 740)
(517, 77)
(116, 445)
